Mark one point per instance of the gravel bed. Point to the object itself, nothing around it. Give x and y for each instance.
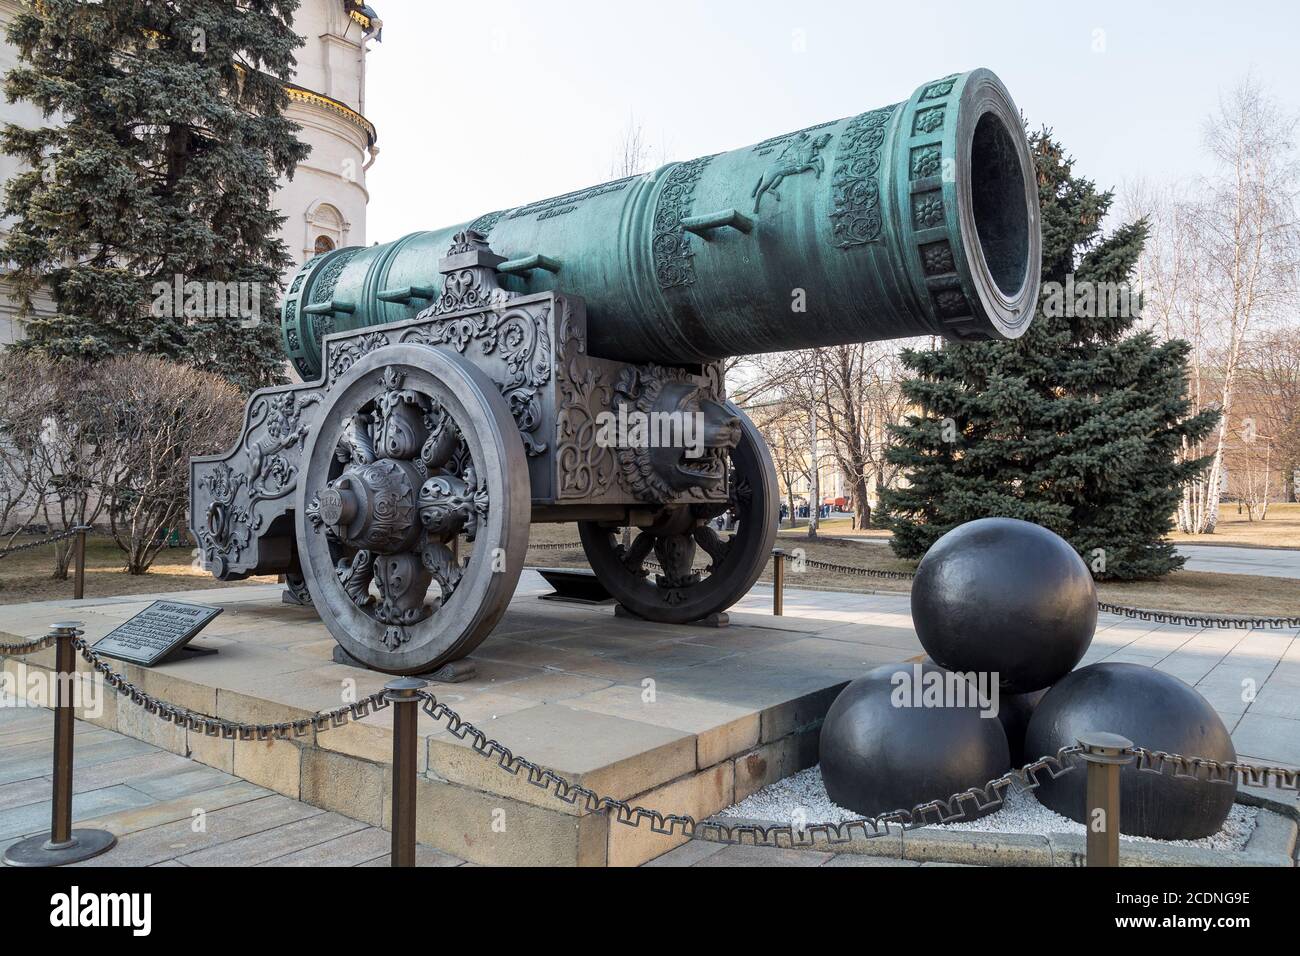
(803, 797)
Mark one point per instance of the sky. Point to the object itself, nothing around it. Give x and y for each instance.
(486, 106)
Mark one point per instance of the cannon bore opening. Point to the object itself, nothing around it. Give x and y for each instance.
(998, 201)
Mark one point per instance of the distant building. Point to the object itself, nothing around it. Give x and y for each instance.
(325, 202)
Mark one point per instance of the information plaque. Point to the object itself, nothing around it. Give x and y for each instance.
(157, 632)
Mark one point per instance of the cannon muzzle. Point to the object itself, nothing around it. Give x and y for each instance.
(919, 218)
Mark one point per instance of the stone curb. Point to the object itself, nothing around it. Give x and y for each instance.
(1272, 844)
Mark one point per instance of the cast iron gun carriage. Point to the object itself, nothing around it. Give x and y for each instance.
(461, 383)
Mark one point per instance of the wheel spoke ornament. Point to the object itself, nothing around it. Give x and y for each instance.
(417, 452)
(680, 591)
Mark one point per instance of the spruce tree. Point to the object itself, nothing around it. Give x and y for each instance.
(1076, 426)
(164, 141)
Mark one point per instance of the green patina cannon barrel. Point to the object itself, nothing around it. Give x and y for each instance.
(914, 219)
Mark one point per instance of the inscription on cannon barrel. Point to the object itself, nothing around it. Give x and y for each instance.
(156, 632)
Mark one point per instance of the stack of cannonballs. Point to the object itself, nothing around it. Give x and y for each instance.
(1005, 609)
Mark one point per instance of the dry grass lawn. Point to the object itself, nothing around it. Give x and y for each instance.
(1281, 529)
(27, 576)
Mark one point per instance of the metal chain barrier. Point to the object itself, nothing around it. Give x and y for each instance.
(1214, 771)
(1198, 620)
(27, 647)
(211, 726)
(1134, 613)
(1098, 754)
(952, 809)
(29, 545)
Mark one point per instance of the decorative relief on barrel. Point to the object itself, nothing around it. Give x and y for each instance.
(768, 145)
(927, 209)
(936, 257)
(672, 249)
(926, 161)
(927, 121)
(855, 191)
(951, 304)
(483, 224)
(801, 154)
(939, 88)
(323, 289)
(559, 205)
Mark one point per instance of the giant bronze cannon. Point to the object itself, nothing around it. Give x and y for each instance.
(561, 361)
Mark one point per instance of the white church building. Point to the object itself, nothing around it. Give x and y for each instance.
(325, 202)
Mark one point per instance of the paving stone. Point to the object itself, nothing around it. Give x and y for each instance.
(183, 783)
(138, 723)
(1189, 668)
(1224, 693)
(550, 687)
(544, 656)
(1000, 849)
(178, 808)
(1275, 739)
(85, 756)
(798, 714)
(495, 830)
(611, 755)
(857, 859)
(270, 843)
(424, 856)
(1276, 700)
(274, 764)
(770, 762)
(35, 817)
(764, 856)
(214, 751)
(688, 854)
(721, 730)
(662, 659)
(351, 849)
(22, 792)
(1274, 841)
(344, 784)
(699, 795)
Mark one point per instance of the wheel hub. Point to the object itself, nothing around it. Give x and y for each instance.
(373, 507)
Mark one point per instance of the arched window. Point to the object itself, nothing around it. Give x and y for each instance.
(326, 229)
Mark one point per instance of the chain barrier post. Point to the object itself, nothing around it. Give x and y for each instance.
(79, 576)
(404, 694)
(64, 844)
(1104, 754)
(778, 582)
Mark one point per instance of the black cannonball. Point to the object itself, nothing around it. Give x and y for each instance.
(1014, 710)
(1154, 710)
(1003, 596)
(884, 748)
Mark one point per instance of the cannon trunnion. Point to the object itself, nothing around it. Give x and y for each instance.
(560, 362)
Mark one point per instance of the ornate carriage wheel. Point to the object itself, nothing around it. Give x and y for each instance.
(678, 592)
(416, 450)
